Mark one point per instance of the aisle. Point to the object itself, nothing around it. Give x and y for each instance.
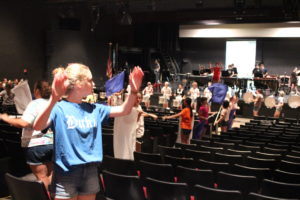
(240, 121)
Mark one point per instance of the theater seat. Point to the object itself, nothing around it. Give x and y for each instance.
(164, 172)
(119, 166)
(206, 193)
(245, 184)
(161, 190)
(286, 177)
(194, 177)
(280, 189)
(21, 189)
(255, 196)
(122, 187)
(149, 157)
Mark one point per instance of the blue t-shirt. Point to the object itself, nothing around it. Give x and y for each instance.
(77, 133)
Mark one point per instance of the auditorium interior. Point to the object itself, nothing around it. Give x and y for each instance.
(237, 57)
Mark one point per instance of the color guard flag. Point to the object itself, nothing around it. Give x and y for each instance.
(22, 96)
(219, 92)
(115, 84)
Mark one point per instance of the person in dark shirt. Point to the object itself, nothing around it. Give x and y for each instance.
(231, 71)
(257, 72)
(202, 71)
(263, 70)
(294, 80)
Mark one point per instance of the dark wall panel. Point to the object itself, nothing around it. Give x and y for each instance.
(22, 39)
(201, 51)
(281, 55)
(83, 45)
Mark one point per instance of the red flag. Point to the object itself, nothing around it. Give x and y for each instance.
(109, 68)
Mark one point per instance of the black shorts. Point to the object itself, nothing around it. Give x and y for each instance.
(185, 131)
(38, 155)
(224, 123)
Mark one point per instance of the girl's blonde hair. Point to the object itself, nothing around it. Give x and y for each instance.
(76, 73)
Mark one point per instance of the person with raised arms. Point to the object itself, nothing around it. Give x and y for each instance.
(77, 130)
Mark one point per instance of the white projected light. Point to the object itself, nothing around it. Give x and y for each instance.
(242, 54)
(260, 30)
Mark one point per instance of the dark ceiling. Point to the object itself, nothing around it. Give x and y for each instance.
(195, 11)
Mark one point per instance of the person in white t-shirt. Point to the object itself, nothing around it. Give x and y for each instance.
(38, 145)
(127, 128)
(194, 93)
(224, 116)
(147, 92)
(279, 104)
(258, 102)
(166, 92)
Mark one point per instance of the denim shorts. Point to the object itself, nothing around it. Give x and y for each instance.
(80, 180)
(39, 155)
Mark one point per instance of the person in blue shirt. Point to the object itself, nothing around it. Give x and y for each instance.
(77, 130)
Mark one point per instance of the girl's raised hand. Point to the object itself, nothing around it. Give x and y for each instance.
(59, 85)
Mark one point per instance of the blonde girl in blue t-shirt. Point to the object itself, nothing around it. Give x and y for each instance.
(77, 130)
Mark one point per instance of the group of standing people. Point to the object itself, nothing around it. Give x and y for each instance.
(69, 160)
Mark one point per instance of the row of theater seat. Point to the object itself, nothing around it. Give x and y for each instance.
(166, 181)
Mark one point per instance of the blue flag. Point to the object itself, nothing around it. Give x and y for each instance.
(115, 84)
(219, 92)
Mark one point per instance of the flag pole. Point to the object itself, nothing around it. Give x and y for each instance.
(217, 119)
(109, 71)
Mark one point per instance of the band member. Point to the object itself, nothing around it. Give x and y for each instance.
(263, 70)
(257, 102)
(166, 92)
(279, 104)
(232, 71)
(256, 72)
(180, 90)
(202, 71)
(179, 95)
(147, 92)
(294, 80)
(217, 73)
(224, 116)
(157, 71)
(207, 93)
(194, 93)
(115, 99)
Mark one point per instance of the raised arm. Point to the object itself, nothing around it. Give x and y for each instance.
(173, 116)
(135, 80)
(58, 90)
(149, 115)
